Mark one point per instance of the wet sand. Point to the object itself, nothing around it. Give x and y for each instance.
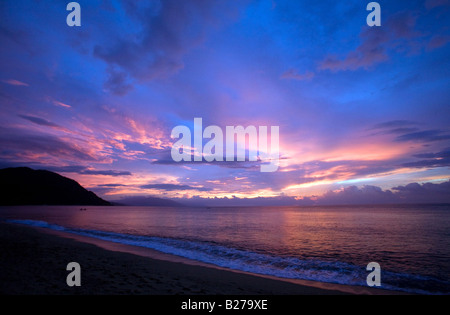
(34, 260)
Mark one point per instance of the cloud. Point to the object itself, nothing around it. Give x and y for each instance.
(394, 124)
(442, 154)
(105, 173)
(411, 193)
(61, 104)
(118, 81)
(28, 147)
(414, 193)
(294, 75)
(62, 169)
(424, 193)
(408, 131)
(376, 43)
(243, 202)
(77, 169)
(439, 159)
(395, 127)
(424, 136)
(248, 165)
(431, 4)
(43, 122)
(166, 159)
(111, 185)
(371, 52)
(40, 121)
(174, 187)
(164, 32)
(147, 201)
(15, 82)
(353, 195)
(428, 163)
(437, 41)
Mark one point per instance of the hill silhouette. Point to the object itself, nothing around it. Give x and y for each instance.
(25, 186)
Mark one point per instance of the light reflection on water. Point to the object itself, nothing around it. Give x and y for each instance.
(409, 239)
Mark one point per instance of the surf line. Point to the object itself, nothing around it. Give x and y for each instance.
(235, 137)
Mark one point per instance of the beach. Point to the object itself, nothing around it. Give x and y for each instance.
(34, 261)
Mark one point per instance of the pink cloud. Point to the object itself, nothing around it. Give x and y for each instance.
(401, 25)
(376, 43)
(51, 100)
(437, 41)
(369, 53)
(61, 104)
(294, 75)
(430, 4)
(15, 82)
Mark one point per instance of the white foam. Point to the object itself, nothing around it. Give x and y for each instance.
(244, 260)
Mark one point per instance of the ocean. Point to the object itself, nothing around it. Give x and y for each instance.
(411, 243)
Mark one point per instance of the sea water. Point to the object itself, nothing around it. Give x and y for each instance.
(329, 244)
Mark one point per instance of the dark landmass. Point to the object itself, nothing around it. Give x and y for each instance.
(25, 186)
(146, 201)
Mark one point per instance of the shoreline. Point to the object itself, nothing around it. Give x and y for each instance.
(35, 262)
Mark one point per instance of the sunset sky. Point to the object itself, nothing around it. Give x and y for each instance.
(358, 107)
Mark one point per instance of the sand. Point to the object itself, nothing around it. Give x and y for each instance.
(34, 260)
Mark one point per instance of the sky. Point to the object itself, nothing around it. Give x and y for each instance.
(362, 111)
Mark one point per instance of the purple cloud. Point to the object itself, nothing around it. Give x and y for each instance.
(439, 159)
(411, 193)
(106, 172)
(424, 136)
(27, 147)
(408, 131)
(427, 193)
(442, 154)
(438, 41)
(371, 52)
(158, 44)
(111, 185)
(40, 121)
(15, 82)
(376, 43)
(430, 4)
(424, 193)
(353, 195)
(394, 124)
(173, 187)
(294, 75)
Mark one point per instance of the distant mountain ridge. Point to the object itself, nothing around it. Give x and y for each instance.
(146, 201)
(25, 186)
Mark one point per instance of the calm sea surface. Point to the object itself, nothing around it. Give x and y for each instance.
(329, 244)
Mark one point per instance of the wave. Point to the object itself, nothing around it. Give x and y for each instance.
(244, 260)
